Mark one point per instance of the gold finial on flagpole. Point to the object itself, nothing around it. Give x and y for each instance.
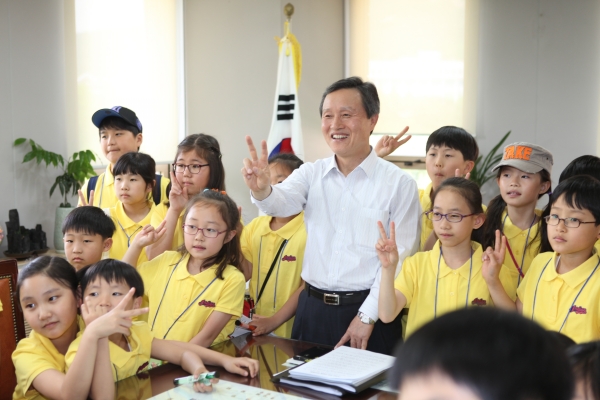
(288, 11)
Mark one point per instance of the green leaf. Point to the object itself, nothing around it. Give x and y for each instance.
(28, 157)
(19, 141)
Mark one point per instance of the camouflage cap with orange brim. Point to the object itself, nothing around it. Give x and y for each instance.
(526, 157)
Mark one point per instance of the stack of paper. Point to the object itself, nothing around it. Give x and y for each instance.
(349, 369)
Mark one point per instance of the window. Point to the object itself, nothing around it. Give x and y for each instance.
(128, 55)
(422, 56)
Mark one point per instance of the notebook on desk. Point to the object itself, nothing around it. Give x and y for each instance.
(343, 370)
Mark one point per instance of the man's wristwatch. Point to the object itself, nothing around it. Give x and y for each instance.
(364, 318)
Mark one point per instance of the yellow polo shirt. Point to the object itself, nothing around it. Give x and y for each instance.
(171, 289)
(555, 295)
(517, 239)
(125, 363)
(126, 227)
(34, 355)
(260, 245)
(104, 192)
(159, 215)
(417, 282)
(1, 309)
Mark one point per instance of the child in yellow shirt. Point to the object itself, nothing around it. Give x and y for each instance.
(120, 132)
(104, 285)
(196, 294)
(134, 181)
(273, 248)
(450, 276)
(87, 233)
(523, 177)
(47, 290)
(197, 166)
(450, 151)
(560, 291)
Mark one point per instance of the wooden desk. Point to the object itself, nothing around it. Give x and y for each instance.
(270, 351)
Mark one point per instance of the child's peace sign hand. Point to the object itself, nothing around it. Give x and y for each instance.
(178, 196)
(388, 144)
(256, 170)
(117, 320)
(149, 235)
(83, 201)
(493, 259)
(387, 251)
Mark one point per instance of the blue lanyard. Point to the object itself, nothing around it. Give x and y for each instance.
(437, 277)
(187, 308)
(574, 300)
(519, 267)
(128, 236)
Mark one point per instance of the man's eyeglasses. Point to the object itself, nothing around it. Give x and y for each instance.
(193, 168)
(553, 220)
(450, 217)
(206, 232)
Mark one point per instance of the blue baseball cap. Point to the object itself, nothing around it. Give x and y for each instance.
(119, 112)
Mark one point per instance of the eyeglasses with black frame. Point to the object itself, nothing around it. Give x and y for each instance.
(193, 168)
(450, 217)
(210, 233)
(553, 220)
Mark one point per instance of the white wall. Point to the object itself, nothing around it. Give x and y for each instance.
(231, 71)
(33, 104)
(539, 75)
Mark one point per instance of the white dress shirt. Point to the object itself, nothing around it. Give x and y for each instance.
(341, 214)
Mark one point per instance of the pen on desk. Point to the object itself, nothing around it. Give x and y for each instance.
(245, 326)
(203, 378)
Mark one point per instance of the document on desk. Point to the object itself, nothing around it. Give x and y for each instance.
(348, 368)
(223, 390)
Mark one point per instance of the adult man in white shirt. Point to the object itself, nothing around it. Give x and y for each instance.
(343, 198)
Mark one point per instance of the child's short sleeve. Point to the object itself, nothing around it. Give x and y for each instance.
(231, 300)
(246, 240)
(406, 280)
(30, 359)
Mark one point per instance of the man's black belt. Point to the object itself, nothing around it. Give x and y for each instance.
(337, 298)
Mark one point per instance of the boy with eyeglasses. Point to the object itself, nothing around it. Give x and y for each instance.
(561, 290)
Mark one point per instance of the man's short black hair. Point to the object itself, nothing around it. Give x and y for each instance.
(89, 220)
(497, 354)
(111, 271)
(118, 124)
(368, 94)
(455, 138)
(289, 160)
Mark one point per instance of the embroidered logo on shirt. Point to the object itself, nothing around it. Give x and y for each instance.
(578, 310)
(142, 367)
(478, 302)
(207, 304)
(288, 258)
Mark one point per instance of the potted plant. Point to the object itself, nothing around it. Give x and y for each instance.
(75, 171)
(482, 171)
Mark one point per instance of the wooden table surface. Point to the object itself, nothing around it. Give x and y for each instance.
(270, 351)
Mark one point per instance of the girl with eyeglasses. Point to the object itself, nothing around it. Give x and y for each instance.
(523, 177)
(197, 166)
(195, 294)
(451, 275)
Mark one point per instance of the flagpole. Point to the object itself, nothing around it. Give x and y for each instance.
(288, 11)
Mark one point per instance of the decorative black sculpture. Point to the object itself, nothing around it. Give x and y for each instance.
(22, 240)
